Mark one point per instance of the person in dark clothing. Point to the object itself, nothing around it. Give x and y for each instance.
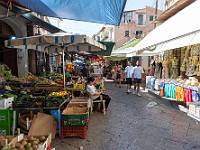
(119, 76)
(85, 71)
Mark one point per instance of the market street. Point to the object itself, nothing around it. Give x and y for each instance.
(131, 125)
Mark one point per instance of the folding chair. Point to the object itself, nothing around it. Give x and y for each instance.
(99, 103)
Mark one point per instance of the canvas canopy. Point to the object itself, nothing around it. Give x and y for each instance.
(97, 11)
(54, 42)
(126, 49)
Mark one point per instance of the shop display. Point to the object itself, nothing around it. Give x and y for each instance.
(179, 93)
(148, 81)
(152, 68)
(194, 110)
(157, 84)
(191, 63)
(185, 63)
(174, 68)
(165, 71)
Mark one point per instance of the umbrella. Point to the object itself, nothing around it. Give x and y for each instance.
(59, 42)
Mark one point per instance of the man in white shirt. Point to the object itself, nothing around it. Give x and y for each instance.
(129, 75)
(95, 95)
(137, 74)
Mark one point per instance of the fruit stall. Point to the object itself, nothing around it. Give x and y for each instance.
(30, 103)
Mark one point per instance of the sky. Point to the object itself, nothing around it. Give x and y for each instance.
(92, 28)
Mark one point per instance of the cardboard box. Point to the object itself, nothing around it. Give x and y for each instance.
(5, 140)
(192, 109)
(43, 124)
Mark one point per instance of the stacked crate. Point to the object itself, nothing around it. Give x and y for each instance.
(75, 118)
(6, 117)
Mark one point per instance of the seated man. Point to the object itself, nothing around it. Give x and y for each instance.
(94, 94)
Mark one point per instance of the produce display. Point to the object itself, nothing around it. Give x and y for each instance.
(99, 83)
(59, 94)
(27, 143)
(30, 94)
(5, 72)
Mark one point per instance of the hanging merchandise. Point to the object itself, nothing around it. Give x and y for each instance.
(180, 93)
(185, 63)
(193, 61)
(174, 68)
(165, 71)
(152, 68)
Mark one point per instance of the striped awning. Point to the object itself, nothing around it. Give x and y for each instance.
(56, 42)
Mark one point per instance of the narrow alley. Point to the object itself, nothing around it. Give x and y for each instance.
(131, 125)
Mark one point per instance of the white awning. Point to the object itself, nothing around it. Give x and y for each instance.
(122, 53)
(181, 30)
(55, 42)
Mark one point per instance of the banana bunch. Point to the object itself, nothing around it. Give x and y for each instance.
(59, 94)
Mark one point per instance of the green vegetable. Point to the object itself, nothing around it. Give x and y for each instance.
(23, 92)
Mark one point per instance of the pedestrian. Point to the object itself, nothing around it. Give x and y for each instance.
(95, 95)
(85, 71)
(101, 70)
(138, 73)
(91, 69)
(119, 76)
(113, 72)
(129, 76)
(104, 71)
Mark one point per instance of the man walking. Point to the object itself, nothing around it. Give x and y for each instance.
(129, 75)
(137, 74)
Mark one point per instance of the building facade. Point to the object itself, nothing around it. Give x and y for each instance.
(14, 24)
(134, 24)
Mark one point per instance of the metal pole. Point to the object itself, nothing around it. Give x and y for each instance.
(63, 58)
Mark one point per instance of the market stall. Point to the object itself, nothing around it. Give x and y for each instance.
(48, 94)
(54, 43)
(175, 76)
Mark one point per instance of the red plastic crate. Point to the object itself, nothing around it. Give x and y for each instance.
(74, 131)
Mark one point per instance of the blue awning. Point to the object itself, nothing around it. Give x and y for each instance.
(26, 14)
(97, 11)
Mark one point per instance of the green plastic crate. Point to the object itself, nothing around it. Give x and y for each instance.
(6, 117)
(75, 116)
(5, 131)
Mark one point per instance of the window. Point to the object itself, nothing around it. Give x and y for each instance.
(138, 33)
(126, 33)
(140, 19)
(127, 17)
(98, 38)
(150, 18)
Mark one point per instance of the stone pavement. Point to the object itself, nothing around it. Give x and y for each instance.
(131, 125)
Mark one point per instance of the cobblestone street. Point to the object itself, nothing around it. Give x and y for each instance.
(131, 125)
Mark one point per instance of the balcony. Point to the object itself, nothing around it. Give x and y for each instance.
(175, 8)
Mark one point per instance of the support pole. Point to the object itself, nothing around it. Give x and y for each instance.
(63, 59)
